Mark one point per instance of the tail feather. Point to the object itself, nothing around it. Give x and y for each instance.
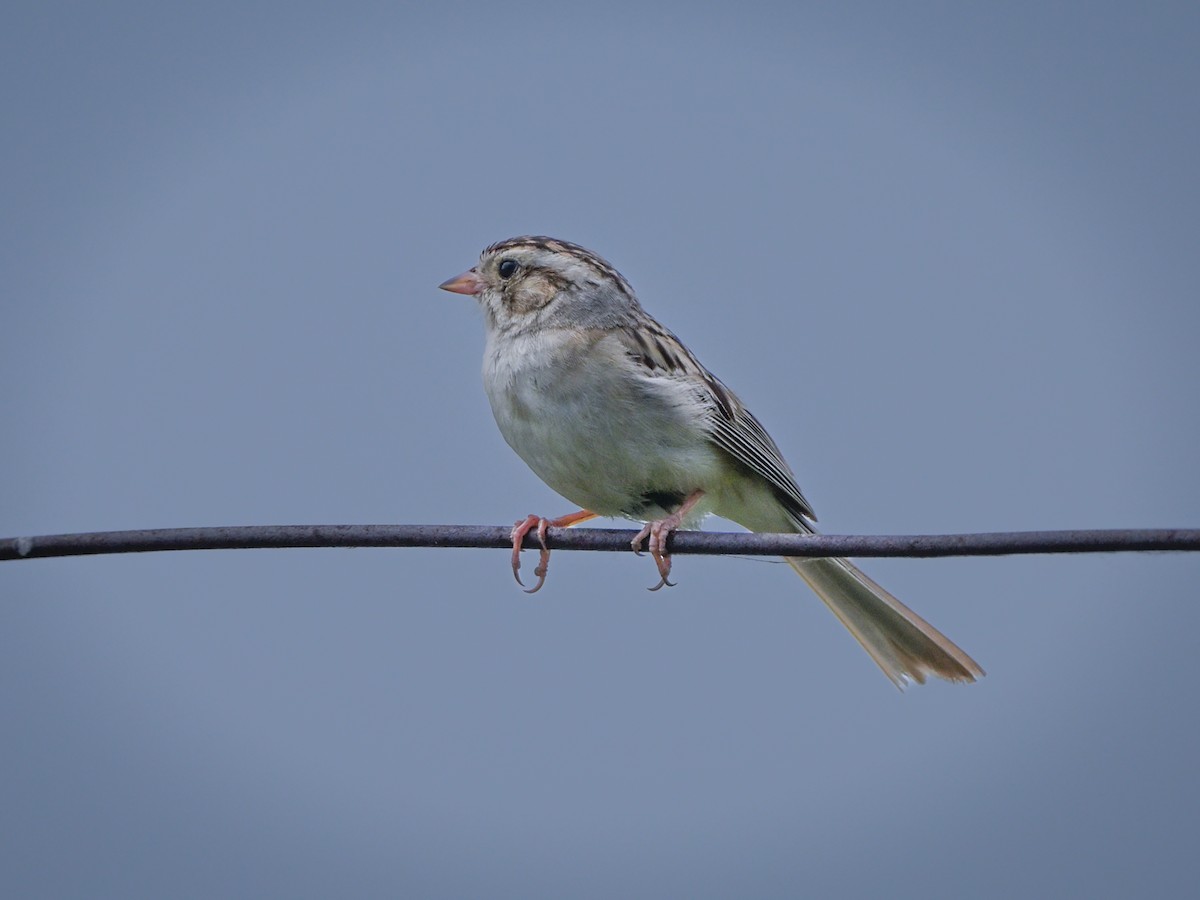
(903, 644)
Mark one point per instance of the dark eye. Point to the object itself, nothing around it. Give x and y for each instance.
(508, 268)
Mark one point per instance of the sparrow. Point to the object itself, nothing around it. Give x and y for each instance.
(611, 410)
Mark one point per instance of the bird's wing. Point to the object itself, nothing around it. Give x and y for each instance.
(732, 427)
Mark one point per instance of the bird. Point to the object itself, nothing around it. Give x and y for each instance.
(613, 411)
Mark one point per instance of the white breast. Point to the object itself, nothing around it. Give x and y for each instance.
(592, 425)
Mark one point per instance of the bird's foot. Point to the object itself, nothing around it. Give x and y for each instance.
(658, 531)
(523, 526)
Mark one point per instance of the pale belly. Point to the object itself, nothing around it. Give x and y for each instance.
(606, 442)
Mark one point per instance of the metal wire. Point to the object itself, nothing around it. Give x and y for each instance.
(239, 537)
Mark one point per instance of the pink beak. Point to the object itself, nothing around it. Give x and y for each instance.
(466, 283)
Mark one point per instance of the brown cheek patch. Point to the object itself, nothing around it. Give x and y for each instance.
(535, 291)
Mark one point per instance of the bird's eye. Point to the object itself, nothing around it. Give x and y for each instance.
(508, 268)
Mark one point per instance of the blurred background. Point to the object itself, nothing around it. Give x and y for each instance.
(946, 252)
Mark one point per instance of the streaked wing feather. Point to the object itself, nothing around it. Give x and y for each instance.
(744, 438)
(733, 427)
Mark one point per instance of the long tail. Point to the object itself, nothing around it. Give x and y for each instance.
(903, 644)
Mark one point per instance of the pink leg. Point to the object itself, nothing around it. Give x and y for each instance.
(524, 526)
(658, 532)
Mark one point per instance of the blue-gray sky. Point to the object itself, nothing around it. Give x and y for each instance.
(947, 253)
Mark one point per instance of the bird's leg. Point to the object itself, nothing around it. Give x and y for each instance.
(658, 532)
(523, 527)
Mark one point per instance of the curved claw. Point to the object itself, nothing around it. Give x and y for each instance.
(659, 531)
(543, 557)
(540, 572)
(636, 543)
(658, 540)
(519, 530)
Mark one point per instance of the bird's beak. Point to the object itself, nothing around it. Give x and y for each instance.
(468, 282)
